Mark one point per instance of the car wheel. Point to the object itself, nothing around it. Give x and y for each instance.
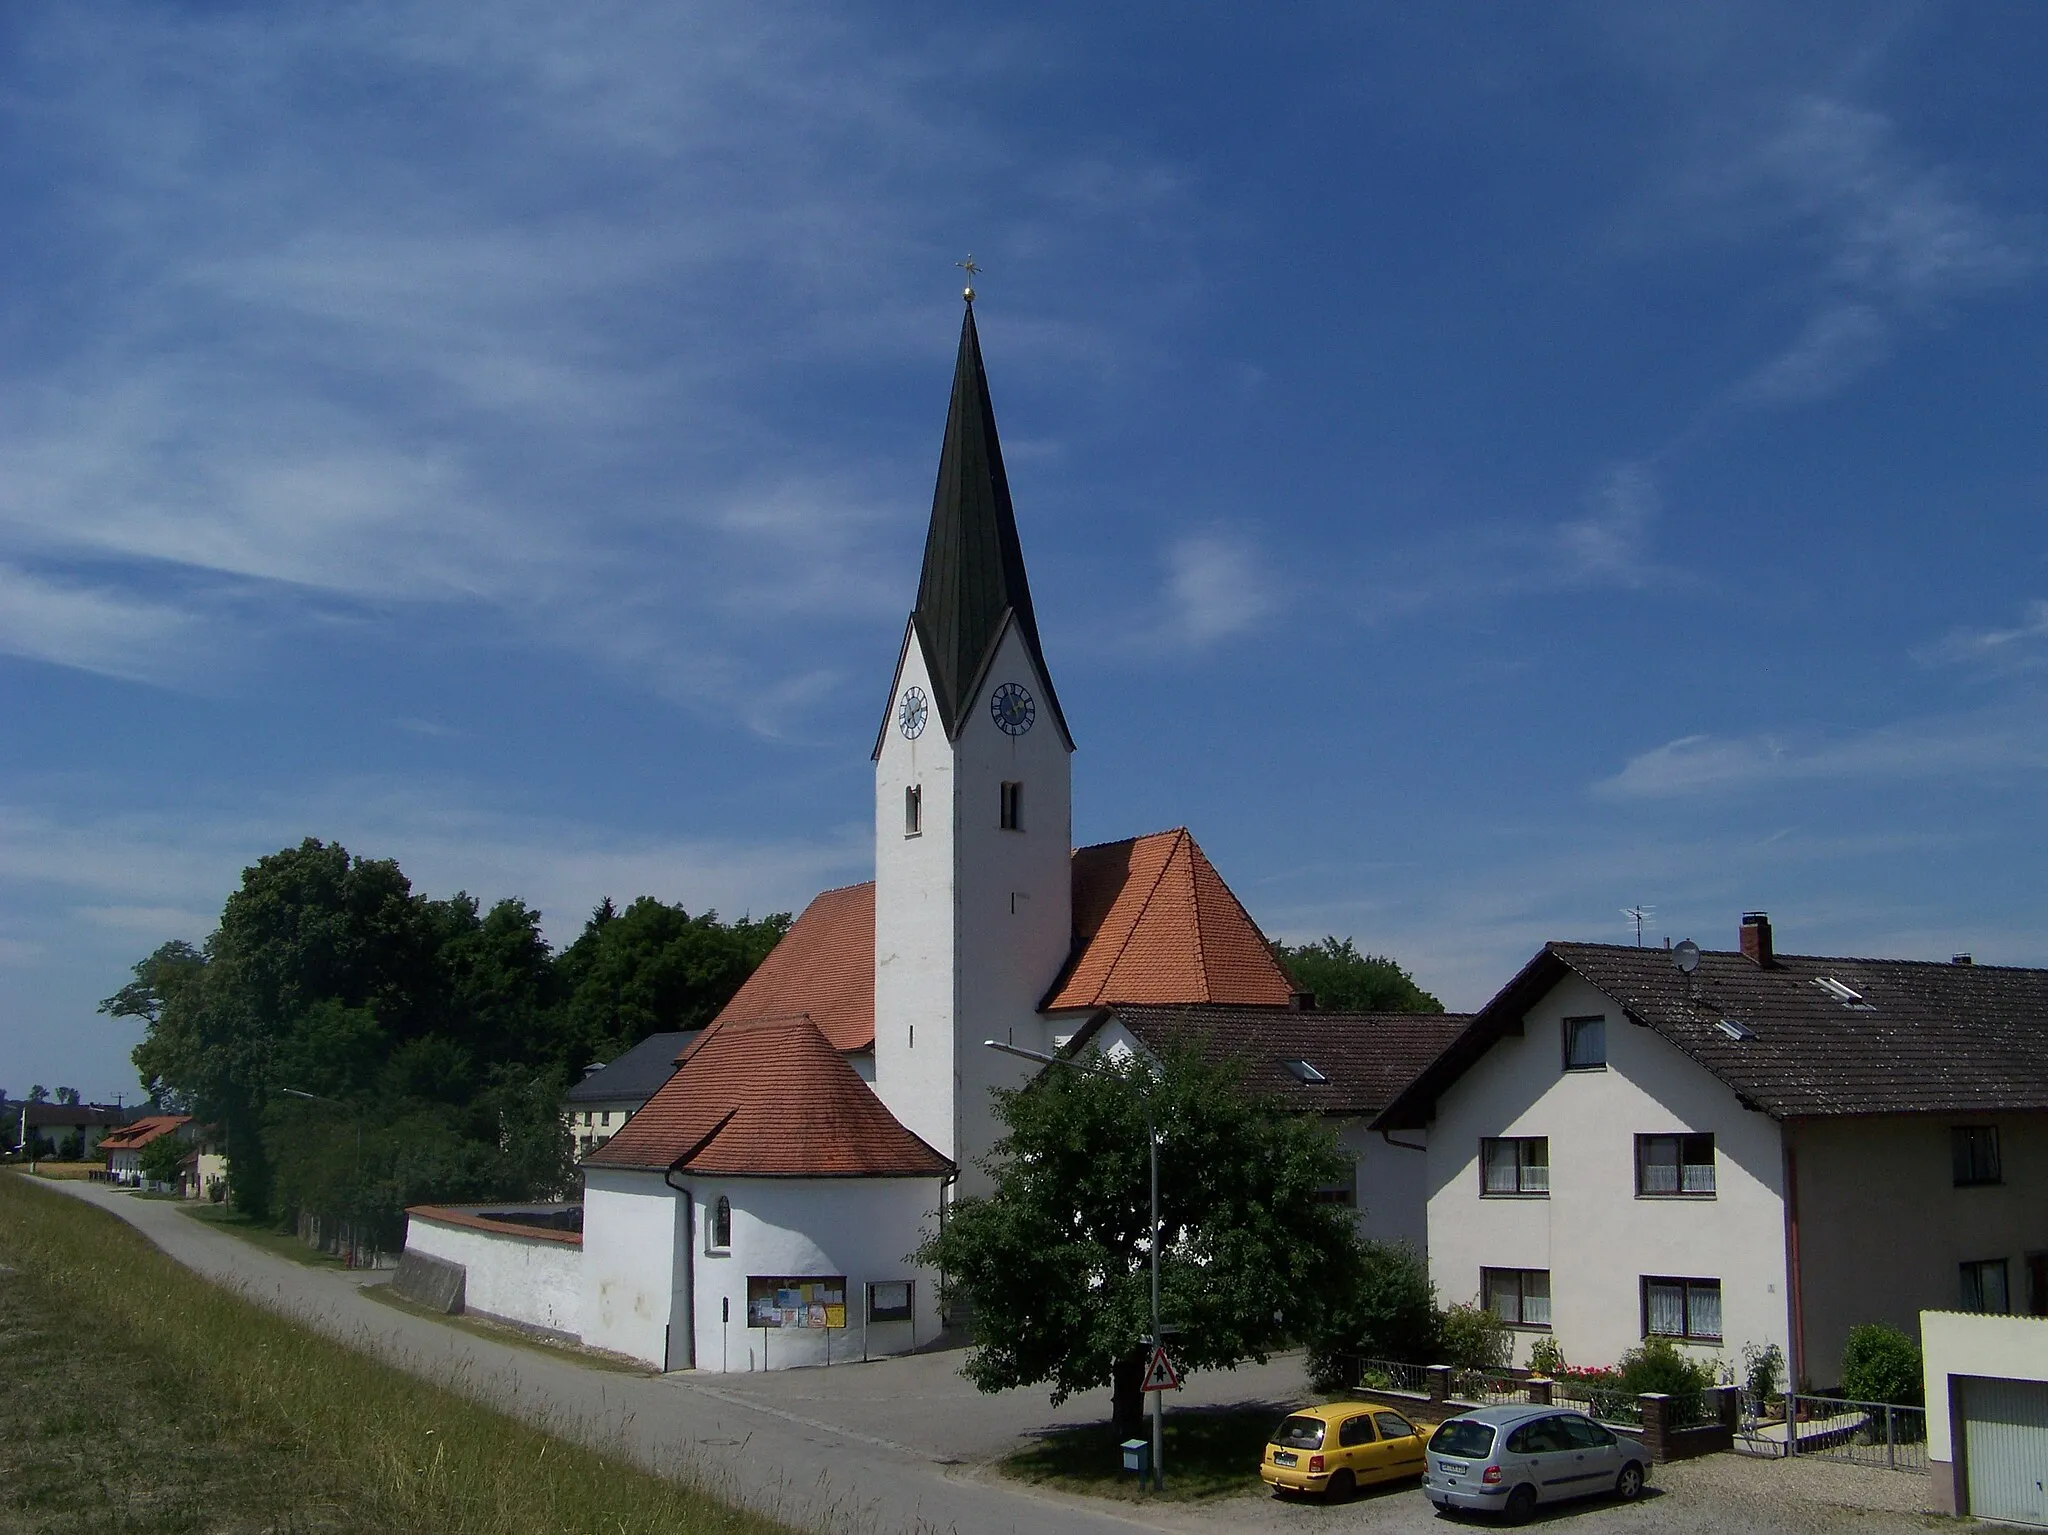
(1521, 1505)
(1629, 1485)
(1342, 1486)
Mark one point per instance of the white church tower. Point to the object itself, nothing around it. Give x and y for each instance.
(973, 822)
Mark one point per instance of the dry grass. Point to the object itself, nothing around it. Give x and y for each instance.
(137, 1395)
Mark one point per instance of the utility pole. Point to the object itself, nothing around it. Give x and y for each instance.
(1152, 1149)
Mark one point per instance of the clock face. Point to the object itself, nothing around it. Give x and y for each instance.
(912, 713)
(1013, 709)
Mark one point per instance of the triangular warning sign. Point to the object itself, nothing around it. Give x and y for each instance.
(1160, 1374)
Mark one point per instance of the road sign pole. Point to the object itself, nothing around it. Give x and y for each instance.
(1158, 1397)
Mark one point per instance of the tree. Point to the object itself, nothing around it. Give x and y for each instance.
(1056, 1260)
(67, 1095)
(39, 1094)
(1389, 1312)
(1346, 981)
(162, 1158)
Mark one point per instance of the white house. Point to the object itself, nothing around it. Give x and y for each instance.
(598, 1107)
(123, 1148)
(1764, 1149)
(732, 1244)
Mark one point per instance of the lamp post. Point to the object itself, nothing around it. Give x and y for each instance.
(355, 1214)
(1152, 1147)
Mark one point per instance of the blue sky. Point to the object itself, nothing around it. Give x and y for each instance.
(1480, 467)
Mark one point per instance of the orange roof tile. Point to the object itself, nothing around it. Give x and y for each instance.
(769, 1098)
(142, 1131)
(824, 968)
(1154, 922)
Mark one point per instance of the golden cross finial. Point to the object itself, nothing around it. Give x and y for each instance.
(970, 269)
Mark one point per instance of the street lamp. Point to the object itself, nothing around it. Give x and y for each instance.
(1152, 1146)
(355, 1192)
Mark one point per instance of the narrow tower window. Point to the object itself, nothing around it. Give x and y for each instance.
(913, 811)
(1013, 807)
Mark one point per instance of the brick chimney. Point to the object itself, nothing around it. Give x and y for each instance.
(1756, 940)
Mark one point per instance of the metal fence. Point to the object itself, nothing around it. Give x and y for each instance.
(1391, 1375)
(1832, 1428)
(1621, 1408)
(1488, 1388)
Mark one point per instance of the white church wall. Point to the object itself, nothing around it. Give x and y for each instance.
(859, 1229)
(914, 918)
(630, 1262)
(533, 1280)
(1015, 894)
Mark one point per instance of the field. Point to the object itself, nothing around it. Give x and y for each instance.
(135, 1395)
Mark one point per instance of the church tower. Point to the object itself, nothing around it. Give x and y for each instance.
(973, 821)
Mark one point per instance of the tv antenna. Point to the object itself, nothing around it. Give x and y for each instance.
(1639, 914)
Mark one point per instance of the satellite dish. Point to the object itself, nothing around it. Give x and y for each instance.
(1687, 957)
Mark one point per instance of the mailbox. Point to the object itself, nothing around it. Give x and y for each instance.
(1138, 1455)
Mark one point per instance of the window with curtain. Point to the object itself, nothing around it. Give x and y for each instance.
(1984, 1286)
(1682, 1308)
(1585, 1044)
(1515, 1165)
(1975, 1149)
(1519, 1297)
(1671, 1166)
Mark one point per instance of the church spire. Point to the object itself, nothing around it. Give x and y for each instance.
(973, 583)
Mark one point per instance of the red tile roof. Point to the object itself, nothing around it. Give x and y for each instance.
(1154, 922)
(769, 1098)
(824, 968)
(144, 1130)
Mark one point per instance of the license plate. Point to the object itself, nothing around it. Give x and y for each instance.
(1284, 1457)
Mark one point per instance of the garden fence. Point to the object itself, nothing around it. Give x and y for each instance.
(1833, 1428)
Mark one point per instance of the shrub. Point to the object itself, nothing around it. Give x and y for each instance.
(1763, 1367)
(1881, 1364)
(1546, 1356)
(1474, 1338)
(1658, 1364)
(1390, 1313)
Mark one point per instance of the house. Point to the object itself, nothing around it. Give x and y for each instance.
(1346, 1067)
(123, 1148)
(63, 1129)
(599, 1106)
(763, 1199)
(1738, 1148)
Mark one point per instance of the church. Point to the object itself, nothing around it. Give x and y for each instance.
(756, 1213)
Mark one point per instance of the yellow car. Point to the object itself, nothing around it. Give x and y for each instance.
(1339, 1447)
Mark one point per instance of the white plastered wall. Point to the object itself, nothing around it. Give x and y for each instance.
(810, 1228)
(1592, 1233)
(530, 1280)
(635, 1263)
(1865, 1184)
(1959, 1344)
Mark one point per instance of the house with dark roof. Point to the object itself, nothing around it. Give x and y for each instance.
(1345, 1067)
(1738, 1148)
(598, 1107)
(762, 1199)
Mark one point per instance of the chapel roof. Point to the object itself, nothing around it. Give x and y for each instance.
(824, 967)
(1359, 1062)
(1911, 1036)
(973, 585)
(769, 1098)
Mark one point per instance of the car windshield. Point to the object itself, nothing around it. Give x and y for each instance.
(1299, 1434)
(1465, 1438)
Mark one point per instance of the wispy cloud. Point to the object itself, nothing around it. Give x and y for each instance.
(2020, 647)
(93, 628)
(1218, 584)
(1838, 344)
(1998, 742)
(1608, 544)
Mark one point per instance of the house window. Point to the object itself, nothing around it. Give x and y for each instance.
(1519, 1297)
(1984, 1287)
(607, 1117)
(1975, 1149)
(1013, 807)
(1674, 1166)
(1341, 1193)
(913, 811)
(1585, 1044)
(1517, 1166)
(1682, 1308)
(721, 1224)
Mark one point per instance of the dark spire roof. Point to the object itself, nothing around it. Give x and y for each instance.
(973, 583)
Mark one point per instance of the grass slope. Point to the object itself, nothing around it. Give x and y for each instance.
(134, 1394)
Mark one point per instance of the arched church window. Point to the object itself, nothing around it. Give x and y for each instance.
(721, 1223)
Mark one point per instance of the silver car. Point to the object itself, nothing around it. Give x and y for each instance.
(1506, 1460)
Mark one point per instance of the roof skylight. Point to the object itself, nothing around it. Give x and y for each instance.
(1735, 1029)
(1847, 996)
(1304, 1072)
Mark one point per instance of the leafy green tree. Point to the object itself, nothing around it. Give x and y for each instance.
(39, 1094)
(162, 1157)
(1056, 1260)
(1346, 981)
(67, 1095)
(1389, 1312)
(1882, 1364)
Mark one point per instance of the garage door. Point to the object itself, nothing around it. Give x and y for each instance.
(2005, 1437)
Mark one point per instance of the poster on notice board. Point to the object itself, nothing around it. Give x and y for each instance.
(815, 1303)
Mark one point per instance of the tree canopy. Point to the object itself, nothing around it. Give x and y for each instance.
(362, 1047)
(1056, 1260)
(1346, 981)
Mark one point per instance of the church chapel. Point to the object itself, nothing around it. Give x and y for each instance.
(756, 1213)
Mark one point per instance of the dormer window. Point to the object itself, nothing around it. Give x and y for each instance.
(1013, 807)
(913, 811)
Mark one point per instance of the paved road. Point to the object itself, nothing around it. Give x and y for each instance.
(903, 1445)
